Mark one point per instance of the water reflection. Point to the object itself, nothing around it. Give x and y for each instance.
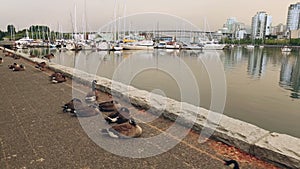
(233, 58)
(290, 75)
(257, 63)
(104, 63)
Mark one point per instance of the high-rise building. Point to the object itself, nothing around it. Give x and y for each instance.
(261, 25)
(278, 30)
(234, 29)
(293, 17)
(230, 24)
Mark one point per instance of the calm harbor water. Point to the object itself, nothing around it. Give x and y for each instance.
(263, 85)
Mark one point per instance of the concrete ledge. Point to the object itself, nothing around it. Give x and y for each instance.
(280, 149)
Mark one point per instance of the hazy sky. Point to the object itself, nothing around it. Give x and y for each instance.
(23, 13)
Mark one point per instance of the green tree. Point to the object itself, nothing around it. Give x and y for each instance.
(2, 34)
(11, 29)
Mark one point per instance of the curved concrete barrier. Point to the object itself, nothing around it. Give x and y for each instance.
(279, 149)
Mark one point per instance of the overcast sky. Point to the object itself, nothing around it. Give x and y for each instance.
(23, 13)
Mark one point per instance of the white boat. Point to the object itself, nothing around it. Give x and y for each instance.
(145, 43)
(137, 47)
(261, 46)
(286, 49)
(161, 45)
(250, 46)
(23, 43)
(85, 46)
(192, 46)
(116, 47)
(172, 45)
(103, 46)
(140, 45)
(211, 45)
(73, 46)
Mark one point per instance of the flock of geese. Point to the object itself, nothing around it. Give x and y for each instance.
(14, 66)
(122, 124)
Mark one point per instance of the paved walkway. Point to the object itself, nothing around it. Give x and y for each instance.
(35, 133)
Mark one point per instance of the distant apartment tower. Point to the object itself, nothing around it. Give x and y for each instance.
(234, 29)
(230, 25)
(293, 17)
(279, 30)
(261, 25)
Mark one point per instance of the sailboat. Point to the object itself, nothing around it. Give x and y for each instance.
(73, 44)
(115, 45)
(85, 43)
(24, 42)
(103, 45)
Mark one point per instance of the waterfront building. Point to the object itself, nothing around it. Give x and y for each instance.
(293, 17)
(261, 25)
(279, 30)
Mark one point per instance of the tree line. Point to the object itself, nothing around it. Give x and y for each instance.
(34, 32)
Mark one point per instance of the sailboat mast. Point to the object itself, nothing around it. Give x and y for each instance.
(124, 15)
(115, 20)
(75, 23)
(85, 18)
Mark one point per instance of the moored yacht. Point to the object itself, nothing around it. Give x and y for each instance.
(250, 46)
(139, 45)
(286, 49)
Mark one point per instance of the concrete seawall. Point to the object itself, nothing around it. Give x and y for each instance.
(279, 149)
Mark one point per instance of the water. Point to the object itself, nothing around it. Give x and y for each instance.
(263, 85)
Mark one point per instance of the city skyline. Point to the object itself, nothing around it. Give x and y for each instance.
(23, 14)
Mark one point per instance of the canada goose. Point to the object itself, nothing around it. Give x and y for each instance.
(59, 79)
(41, 66)
(121, 116)
(125, 130)
(13, 66)
(49, 56)
(8, 54)
(19, 68)
(1, 60)
(109, 106)
(232, 163)
(86, 111)
(72, 105)
(94, 94)
(16, 56)
(54, 75)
